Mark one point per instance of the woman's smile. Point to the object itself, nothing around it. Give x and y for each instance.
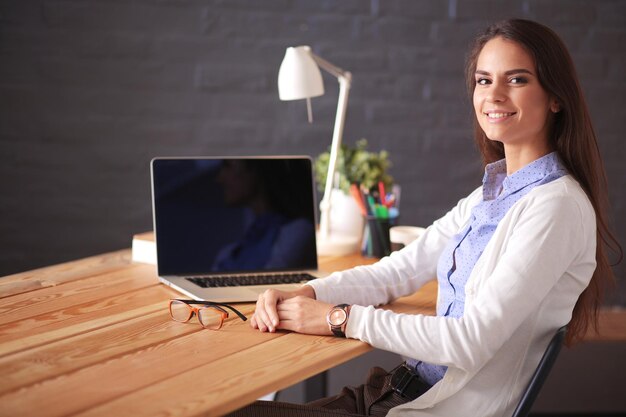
(498, 116)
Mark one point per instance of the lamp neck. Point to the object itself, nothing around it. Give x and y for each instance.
(342, 104)
(332, 69)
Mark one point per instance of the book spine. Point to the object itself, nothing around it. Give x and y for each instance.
(144, 251)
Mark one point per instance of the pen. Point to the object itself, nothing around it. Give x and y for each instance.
(382, 212)
(381, 190)
(371, 205)
(363, 194)
(396, 193)
(390, 201)
(356, 194)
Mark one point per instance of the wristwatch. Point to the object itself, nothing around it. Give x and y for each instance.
(337, 319)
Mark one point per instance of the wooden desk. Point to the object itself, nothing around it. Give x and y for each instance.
(94, 338)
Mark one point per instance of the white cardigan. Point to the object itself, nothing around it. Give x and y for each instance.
(523, 288)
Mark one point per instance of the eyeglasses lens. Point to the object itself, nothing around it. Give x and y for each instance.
(210, 318)
(180, 311)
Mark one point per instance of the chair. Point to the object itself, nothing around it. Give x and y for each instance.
(541, 373)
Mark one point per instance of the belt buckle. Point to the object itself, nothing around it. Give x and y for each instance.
(401, 379)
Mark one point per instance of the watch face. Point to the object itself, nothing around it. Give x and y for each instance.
(337, 316)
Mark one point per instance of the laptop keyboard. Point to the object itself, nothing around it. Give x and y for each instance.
(240, 280)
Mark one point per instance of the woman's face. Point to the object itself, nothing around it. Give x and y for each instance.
(238, 182)
(510, 104)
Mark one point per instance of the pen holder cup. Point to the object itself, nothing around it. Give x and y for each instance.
(376, 243)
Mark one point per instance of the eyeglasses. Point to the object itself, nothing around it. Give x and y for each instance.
(211, 315)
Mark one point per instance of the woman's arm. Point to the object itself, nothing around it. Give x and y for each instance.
(402, 273)
(551, 240)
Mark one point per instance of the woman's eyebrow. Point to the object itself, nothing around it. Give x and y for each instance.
(509, 72)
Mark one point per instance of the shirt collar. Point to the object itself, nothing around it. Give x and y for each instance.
(495, 173)
(496, 180)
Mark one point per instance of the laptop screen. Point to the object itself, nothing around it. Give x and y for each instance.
(230, 215)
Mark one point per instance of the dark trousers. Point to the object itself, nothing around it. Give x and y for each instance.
(374, 398)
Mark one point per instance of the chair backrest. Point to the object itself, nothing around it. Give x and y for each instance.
(541, 373)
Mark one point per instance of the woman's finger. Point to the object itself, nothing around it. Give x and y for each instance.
(271, 298)
(253, 322)
(260, 315)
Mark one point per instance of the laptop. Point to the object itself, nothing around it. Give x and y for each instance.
(228, 228)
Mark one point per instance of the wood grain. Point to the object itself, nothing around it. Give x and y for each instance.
(182, 348)
(46, 300)
(301, 356)
(99, 344)
(124, 306)
(51, 276)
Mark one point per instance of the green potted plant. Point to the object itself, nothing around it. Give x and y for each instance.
(356, 165)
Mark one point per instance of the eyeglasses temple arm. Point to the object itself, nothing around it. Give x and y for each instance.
(234, 310)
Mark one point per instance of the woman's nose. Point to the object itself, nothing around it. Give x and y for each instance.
(496, 94)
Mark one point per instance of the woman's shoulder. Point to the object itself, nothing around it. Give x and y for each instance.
(565, 186)
(561, 194)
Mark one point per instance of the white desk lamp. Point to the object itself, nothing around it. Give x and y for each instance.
(299, 78)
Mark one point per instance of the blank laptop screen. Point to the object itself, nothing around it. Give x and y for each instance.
(233, 215)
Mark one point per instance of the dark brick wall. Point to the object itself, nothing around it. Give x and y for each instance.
(91, 90)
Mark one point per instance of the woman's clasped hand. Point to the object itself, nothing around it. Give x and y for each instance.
(296, 311)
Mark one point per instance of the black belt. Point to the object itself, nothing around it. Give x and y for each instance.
(407, 383)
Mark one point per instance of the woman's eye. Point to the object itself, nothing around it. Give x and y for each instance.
(482, 81)
(518, 80)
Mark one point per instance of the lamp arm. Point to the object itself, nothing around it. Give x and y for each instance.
(345, 79)
(331, 68)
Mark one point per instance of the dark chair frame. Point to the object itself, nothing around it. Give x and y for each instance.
(541, 373)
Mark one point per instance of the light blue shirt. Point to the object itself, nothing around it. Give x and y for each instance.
(457, 260)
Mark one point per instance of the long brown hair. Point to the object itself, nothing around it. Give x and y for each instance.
(573, 138)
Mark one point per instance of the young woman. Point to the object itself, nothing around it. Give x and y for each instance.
(518, 258)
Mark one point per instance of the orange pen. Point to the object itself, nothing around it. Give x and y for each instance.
(356, 194)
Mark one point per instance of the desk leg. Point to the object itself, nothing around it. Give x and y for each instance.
(315, 387)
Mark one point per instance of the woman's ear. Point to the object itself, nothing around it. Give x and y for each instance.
(555, 107)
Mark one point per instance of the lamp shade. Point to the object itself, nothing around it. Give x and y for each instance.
(299, 76)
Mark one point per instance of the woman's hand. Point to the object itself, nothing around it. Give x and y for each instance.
(266, 317)
(304, 315)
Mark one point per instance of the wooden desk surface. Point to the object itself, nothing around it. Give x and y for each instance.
(94, 338)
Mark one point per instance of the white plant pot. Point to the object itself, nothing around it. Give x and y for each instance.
(345, 216)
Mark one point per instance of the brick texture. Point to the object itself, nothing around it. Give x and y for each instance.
(91, 90)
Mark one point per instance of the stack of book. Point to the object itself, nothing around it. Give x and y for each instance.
(144, 248)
